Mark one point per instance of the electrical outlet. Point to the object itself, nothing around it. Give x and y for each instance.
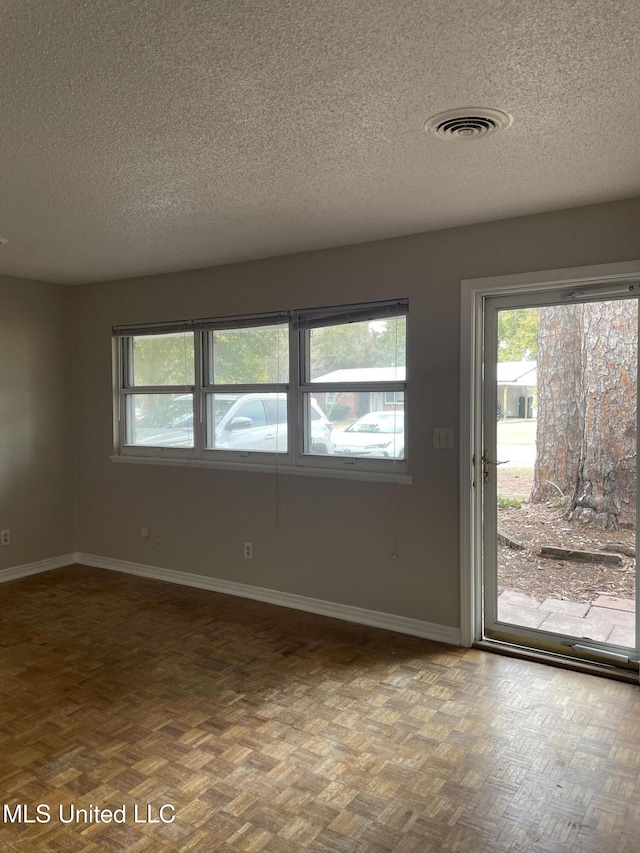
(157, 537)
(5, 537)
(248, 551)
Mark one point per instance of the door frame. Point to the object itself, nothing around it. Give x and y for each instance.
(472, 295)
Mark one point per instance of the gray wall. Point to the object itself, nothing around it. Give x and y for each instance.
(36, 418)
(334, 540)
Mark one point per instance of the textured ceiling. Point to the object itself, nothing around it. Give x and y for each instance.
(156, 135)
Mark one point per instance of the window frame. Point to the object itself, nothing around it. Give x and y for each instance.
(298, 392)
(306, 322)
(127, 391)
(210, 388)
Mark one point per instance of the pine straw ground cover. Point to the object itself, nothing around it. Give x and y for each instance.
(538, 525)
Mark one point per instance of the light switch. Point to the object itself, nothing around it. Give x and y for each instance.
(443, 438)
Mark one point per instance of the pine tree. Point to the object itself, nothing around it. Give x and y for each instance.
(587, 398)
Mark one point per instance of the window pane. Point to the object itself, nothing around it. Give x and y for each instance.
(160, 420)
(371, 351)
(163, 359)
(361, 423)
(250, 356)
(253, 422)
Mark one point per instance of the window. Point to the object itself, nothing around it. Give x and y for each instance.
(245, 385)
(157, 390)
(393, 398)
(351, 362)
(322, 389)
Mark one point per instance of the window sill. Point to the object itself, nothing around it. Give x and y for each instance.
(289, 470)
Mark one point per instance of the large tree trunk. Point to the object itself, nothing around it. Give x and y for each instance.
(605, 488)
(587, 390)
(560, 401)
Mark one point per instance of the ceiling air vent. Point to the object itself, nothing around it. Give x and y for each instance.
(467, 123)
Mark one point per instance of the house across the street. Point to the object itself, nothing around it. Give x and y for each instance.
(517, 389)
(346, 405)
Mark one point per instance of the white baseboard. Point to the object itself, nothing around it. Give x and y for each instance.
(26, 569)
(374, 618)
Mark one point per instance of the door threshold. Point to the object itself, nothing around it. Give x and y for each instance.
(605, 670)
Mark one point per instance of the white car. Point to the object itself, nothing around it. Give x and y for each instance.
(168, 425)
(253, 422)
(258, 422)
(375, 434)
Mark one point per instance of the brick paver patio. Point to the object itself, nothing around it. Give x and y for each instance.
(607, 619)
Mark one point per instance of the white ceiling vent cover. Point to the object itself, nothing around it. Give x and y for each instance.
(467, 123)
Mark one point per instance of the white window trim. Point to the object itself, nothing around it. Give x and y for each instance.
(295, 461)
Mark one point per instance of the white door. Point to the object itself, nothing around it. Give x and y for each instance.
(559, 471)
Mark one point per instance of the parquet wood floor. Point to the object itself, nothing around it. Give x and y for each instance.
(272, 731)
